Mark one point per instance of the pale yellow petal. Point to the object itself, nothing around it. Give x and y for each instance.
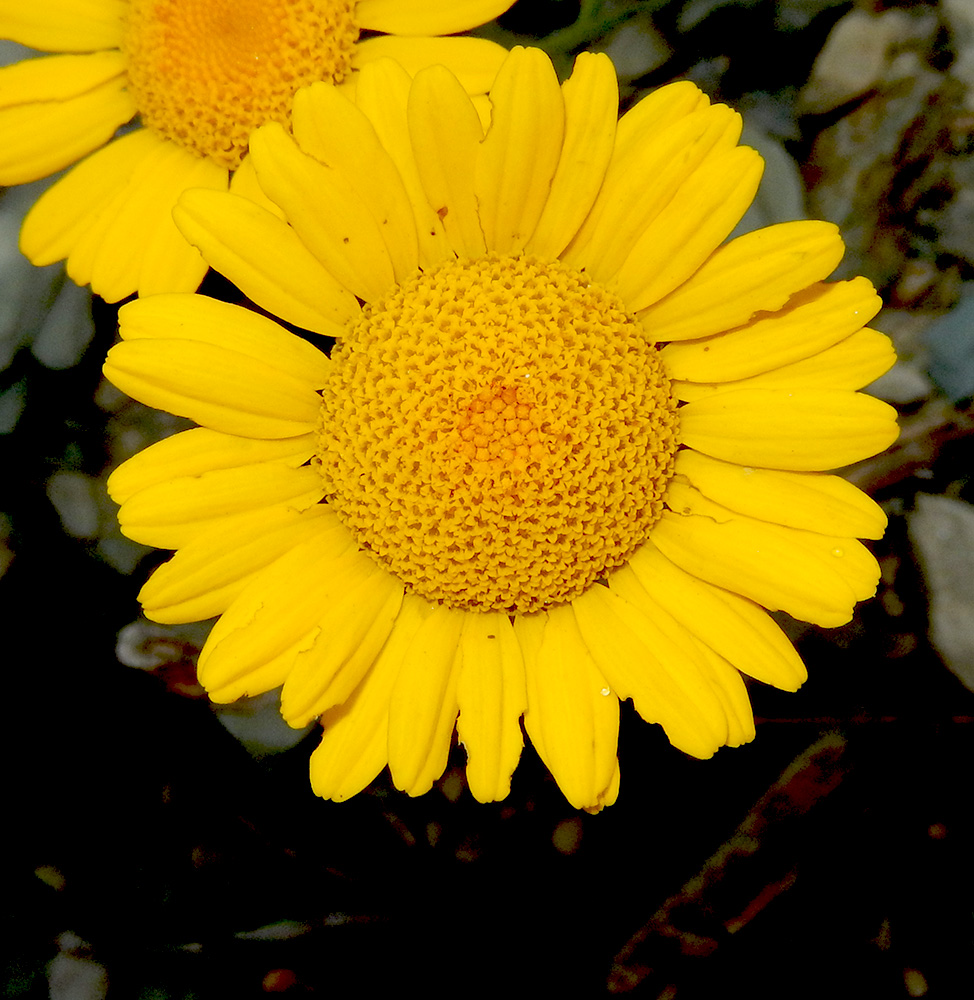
(174, 513)
(426, 17)
(815, 319)
(804, 430)
(383, 94)
(64, 25)
(731, 625)
(492, 698)
(40, 138)
(353, 626)
(193, 452)
(424, 705)
(355, 745)
(644, 655)
(264, 257)
(473, 61)
(814, 577)
(445, 132)
(207, 575)
(701, 215)
(809, 500)
(253, 645)
(757, 272)
(591, 97)
(573, 711)
(520, 152)
(327, 214)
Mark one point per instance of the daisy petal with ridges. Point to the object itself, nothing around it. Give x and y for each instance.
(519, 519)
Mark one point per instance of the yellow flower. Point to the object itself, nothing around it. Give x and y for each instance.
(200, 75)
(566, 453)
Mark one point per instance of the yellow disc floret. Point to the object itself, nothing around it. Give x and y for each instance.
(205, 73)
(498, 433)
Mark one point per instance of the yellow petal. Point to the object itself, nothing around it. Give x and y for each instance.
(521, 150)
(814, 577)
(209, 321)
(329, 127)
(756, 272)
(628, 202)
(473, 61)
(591, 97)
(64, 25)
(729, 687)
(174, 513)
(809, 500)
(252, 647)
(353, 626)
(645, 656)
(445, 132)
(354, 746)
(40, 138)
(573, 711)
(57, 78)
(191, 453)
(382, 95)
(657, 111)
(736, 628)
(263, 256)
(804, 430)
(492, 698)
(207, 575)
(331, 219)
(424, 704)
(426, 17)
(686, 232)
(815, 319)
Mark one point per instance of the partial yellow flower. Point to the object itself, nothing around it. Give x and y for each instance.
(568, 448)
(198, 76)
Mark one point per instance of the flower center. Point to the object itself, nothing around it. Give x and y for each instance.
(497, 433)
(205, 73)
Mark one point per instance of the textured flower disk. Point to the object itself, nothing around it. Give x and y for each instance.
(199, 76)
(327, 510)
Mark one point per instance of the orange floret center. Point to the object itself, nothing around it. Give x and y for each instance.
(206, 73)
(497, 433)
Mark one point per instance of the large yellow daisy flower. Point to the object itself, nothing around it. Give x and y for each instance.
(200, 75)
(566, 450)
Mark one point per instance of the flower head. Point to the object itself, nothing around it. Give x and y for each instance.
(199, 75)
(568, 448)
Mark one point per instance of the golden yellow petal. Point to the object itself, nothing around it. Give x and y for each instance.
(207, 575)
(646, 656)
(264, 257)
(804, 430)
(329, 127)
(492, 698)
(757, 272)
(520, 152)
(731, 625)
(354, 746)
(64, 25)
(809, 500)
(473, 61)
(815, 319)
(426, 17)
(40, 138)
(173, 513)
(445, 132)
(193, 452)
(424, 704)
(327, 214)
(572, 708)
(382, 95)
(591, 97)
